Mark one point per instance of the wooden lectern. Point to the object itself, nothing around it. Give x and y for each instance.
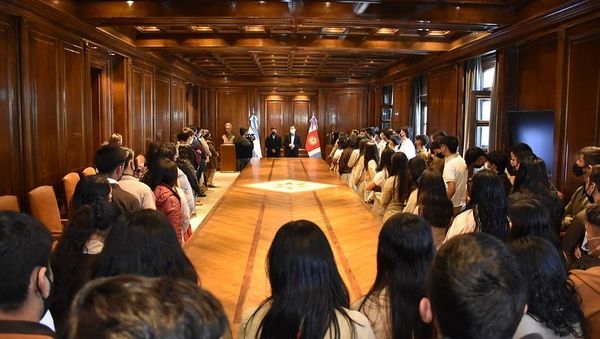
(228, 160)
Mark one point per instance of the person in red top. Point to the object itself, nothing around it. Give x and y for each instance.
(164, 179)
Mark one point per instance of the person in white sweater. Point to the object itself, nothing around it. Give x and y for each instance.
(308, 296)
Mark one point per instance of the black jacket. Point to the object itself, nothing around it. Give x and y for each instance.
(243, 148)
(273, 144)
(288, 140)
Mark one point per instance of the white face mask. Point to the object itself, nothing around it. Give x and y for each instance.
(584, 243)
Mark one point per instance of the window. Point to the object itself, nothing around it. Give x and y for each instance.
(387, 107)
(479, 113)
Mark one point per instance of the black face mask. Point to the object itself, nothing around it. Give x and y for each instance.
(440, 155)
(273, 133)
(578, 171)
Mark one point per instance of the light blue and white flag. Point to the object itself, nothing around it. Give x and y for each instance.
(257, 151)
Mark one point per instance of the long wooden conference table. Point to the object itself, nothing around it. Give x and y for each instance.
(230, 246)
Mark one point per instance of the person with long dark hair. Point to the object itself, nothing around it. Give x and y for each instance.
(487, 211)
(434, 205)
(553, 305)
(370, 164)
(359, 165)
(383, 171)
(529, 217)
(308, 297)
(532, 181)
(404, 255)
(144, 243)
(347, 159)
(168, 200)
(396, 189)
(81, 242)
(416, 166)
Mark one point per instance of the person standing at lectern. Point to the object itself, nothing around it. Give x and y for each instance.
(228, 137)
(273, 144)
(292, 143)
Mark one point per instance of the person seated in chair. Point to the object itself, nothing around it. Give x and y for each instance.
(25, 278)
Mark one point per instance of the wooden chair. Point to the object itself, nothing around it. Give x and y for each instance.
(88, 171)
(44, 207)
(69, 183)
(9, 203)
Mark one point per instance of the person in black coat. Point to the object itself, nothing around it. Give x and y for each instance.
(243, 149)
(292, 143)
(273, 144)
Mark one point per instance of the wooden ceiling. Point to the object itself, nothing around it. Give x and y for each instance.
(321, 40)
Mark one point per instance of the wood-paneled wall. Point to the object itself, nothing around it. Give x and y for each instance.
(69, 97)
(336, 109)
(555, 69)
(445, 100)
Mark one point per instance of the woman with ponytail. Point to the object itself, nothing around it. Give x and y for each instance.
(81, 243)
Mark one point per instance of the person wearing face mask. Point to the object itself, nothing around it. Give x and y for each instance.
(292, 143)
(497, 162)
(587, 278)
(587, 157)
(273, 144)
(25, 278)
(406, 145)
(574, 240)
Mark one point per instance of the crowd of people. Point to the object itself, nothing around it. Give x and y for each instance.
(473, 247)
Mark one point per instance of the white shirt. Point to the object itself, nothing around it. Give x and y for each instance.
(379, 178)
(292, 138)
(455, 170)
(362, 328)
(463, 223)
(138, 189)
(408, 148)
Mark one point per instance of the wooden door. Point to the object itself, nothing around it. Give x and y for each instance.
(300, 114)
(274, 109)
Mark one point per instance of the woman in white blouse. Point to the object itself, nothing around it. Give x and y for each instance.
(487, 211)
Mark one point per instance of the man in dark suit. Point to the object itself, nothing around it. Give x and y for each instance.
(292, 143)
(243, 148)
(273, 144)
(110, 162)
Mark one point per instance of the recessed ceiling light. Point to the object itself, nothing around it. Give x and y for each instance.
(334, 30)
(327, 3)
(129, 2)
(387, 31)
(262, 2)
(255, 29)
(146, 29)
(438, 33)
(201, 28)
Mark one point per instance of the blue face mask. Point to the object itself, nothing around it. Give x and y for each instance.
(195, 142)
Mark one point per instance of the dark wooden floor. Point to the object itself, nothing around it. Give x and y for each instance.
(230, 248)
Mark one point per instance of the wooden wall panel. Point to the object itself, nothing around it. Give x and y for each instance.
(44, 92)
(537, 76)
(301, 114)
(444, 100)
(163, 108)
(274, 115)
(178, 119)
(582, 90)
(231, 106)
(75, 129)
(137, 112)
(401, 112)
(148, 105)
(120, 117)
(10, 128)
(345, 110)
